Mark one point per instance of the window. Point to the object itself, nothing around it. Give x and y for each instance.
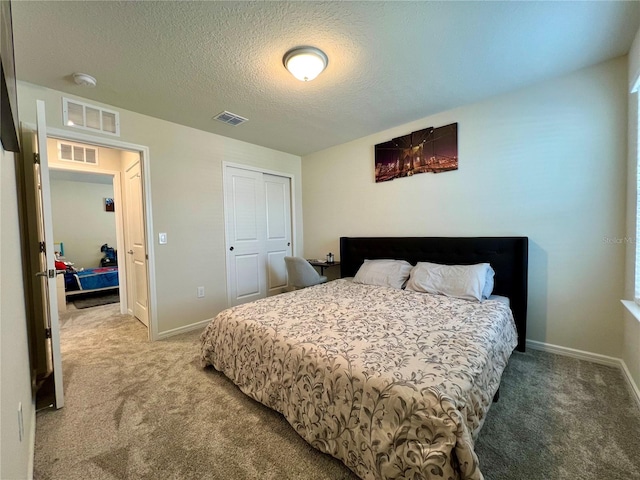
(636, 120)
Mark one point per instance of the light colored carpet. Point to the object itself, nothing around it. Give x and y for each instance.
(140, 410)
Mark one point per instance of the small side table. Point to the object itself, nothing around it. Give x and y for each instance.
(322, 264)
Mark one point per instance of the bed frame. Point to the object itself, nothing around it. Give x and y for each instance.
(507, 255)
(71, 293)
(93, 290)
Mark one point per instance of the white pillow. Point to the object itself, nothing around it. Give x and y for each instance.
(488, 284)
(461, 281)
(385, 273)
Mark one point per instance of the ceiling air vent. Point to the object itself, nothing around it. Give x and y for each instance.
(90, 117)
(230, 118)
(72, 152)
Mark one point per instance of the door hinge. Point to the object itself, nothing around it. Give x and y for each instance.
(47, 333)
(36, 158)
(43, 247)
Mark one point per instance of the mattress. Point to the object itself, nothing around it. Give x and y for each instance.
(394, 383)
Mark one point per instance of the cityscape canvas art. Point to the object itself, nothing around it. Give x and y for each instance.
(432, 150)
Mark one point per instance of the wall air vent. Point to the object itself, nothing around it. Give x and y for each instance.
(230, 118)
(72, 152)
(90, 117)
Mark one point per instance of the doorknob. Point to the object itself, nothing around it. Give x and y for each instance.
(47, 273)
(231, 249)
(288, 244)
(130, 252)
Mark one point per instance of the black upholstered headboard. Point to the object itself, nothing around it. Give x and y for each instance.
(507, 255)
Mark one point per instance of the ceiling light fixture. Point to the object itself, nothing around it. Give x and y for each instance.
(84, 80)
(305, 63)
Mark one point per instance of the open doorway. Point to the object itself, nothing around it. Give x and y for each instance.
(37, 237)
(85, 238)
(99, 226)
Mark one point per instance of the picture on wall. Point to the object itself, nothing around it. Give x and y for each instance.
(109, 206)
(432, 150)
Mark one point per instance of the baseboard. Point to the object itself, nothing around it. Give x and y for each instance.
(590, 357)
(632, 384)
(32, 442)
(572, 352)
(186, 328)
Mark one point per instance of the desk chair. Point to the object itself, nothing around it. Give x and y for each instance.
(301, 273)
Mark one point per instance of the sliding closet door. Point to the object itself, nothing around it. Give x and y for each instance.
(258, 230)
(245, 231)
(277, 194)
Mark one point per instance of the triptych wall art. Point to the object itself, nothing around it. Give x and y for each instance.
(432, 150)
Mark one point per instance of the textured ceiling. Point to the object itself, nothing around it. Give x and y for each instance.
(389, 62)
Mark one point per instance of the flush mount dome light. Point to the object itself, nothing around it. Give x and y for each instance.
(84, 80)
(305, 63)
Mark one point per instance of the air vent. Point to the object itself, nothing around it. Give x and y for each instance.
(230, 118)
(72, 152)
(90, 117)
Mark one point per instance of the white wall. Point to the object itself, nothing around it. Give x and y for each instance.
(15, 455)
(187, 202)
(547, 162)
(631, 332)
(80, 220)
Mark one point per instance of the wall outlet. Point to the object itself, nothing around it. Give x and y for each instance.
(200, 292)
(20, 422)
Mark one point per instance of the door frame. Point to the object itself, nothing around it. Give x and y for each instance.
(148, 217)
(225, 207)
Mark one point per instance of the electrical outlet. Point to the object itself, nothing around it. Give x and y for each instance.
(20, 422)
(200, 292)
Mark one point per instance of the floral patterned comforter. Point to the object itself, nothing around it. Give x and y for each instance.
(394, 383)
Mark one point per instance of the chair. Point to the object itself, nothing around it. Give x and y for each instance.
(301, 273)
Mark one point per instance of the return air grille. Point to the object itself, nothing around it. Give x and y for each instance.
(72, 152)
(90, 117)
(230, 118)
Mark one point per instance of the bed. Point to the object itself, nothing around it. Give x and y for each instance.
(90, 280)
(394, 383)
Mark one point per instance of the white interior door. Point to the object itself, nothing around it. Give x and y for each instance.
(245, 222)
(46, 272)
(136, 258)
(277, 194)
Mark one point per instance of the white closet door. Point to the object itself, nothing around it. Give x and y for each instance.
(277, 192)
(258, 231)
(245, 235)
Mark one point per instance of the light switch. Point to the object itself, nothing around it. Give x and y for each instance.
(162, 238)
